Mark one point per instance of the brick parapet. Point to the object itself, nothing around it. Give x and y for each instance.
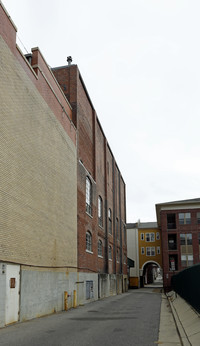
(43, 80)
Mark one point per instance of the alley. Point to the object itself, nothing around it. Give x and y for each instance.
(128, 319)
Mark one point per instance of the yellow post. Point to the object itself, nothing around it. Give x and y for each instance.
(74, 300)
(65, 300)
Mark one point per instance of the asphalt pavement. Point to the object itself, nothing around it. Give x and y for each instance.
(132, 318)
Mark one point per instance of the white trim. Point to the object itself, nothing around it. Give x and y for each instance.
(151, 262)
(88, 251)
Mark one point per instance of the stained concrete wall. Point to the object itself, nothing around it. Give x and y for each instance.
(42, 291)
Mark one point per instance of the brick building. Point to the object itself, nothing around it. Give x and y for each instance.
(57, 172)
(179, 223)
(101, 193)
(38, 185)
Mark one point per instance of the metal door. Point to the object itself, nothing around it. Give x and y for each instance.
(12, 293)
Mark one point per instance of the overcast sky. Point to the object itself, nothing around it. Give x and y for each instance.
(140, 61)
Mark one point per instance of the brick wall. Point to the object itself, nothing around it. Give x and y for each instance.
(96, 160)
(193, 228)
(38, 163)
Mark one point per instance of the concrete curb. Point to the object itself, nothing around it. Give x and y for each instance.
(187, 320)
(168, 332)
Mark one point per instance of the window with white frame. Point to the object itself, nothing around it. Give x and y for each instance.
(142, 236)
(142, 250)
(100, 248)
(88, 196)
(158, 250)
(100, 211)
(150, 237)
(150, 251)
(109, 221)
(184, 218)
(157, 235)
(186, 249)
(88, 241)
(110, 253)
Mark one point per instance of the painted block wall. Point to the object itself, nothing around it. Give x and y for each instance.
(38, 179)
(3, 293)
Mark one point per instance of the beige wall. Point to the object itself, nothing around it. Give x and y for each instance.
(38, 198)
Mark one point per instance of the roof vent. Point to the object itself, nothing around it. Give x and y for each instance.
(29, 57)
(69, 60)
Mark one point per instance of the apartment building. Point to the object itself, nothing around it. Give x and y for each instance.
(179, 223)
(144, 249)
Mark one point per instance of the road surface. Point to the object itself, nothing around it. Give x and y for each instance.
(131, 319)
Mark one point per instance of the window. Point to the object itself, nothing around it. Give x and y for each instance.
(186, 239)
(100, 248)
(157, 235)
(173, 262)
(184, 218)
(109, 221)
(158, 250)
(124, 258)
(150, 251)
(171, 221)
(186, 249)
(186, 260)
(100, 211)
(117, 228)
(142, 236)
(150, 237)
(142, 250)
(198, 218)
(110, 253)
(88, 241)
(172, 243)
(88, 196)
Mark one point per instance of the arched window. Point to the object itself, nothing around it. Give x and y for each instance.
(110, 253)
(109, 221)
(100, 248)
(100, 211)
(88, 196)
(88, 241)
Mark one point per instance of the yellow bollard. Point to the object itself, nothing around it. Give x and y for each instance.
(74, 300)
(65, 300)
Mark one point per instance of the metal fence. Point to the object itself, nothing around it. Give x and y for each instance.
(187, 284)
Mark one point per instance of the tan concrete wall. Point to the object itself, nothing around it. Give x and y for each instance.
(38, 198)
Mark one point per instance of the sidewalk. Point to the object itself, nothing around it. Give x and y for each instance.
(168, 332)
(186, 319)
(179, 322)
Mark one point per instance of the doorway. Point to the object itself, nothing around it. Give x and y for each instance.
(12, 293)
